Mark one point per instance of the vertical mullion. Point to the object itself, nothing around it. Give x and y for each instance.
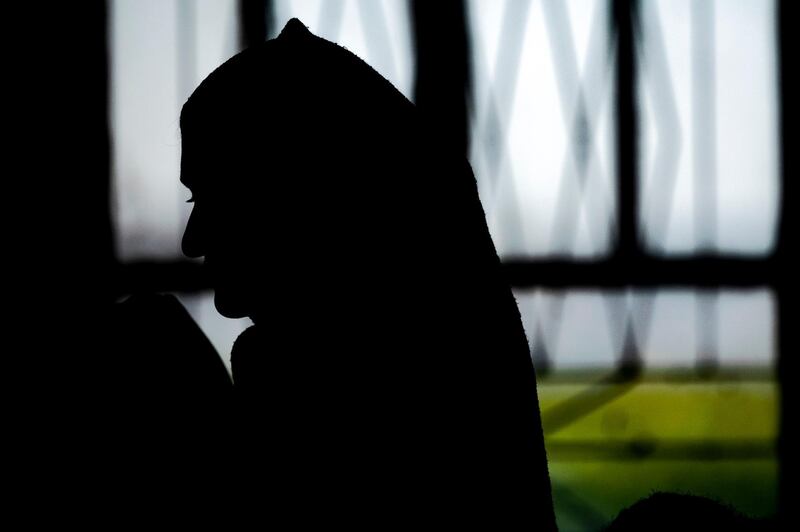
(624, 20)
(255, 21)
(442, 88)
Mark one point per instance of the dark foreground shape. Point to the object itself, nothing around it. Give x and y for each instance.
(387, 379)
(681, 512)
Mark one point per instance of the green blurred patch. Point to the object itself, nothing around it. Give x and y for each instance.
(612, 443)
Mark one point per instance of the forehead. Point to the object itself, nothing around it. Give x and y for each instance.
(199, 158)
(219, 167)
(188, 174)
(189, 147)
(200, 148)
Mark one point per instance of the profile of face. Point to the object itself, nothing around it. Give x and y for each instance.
(229, 299)
(219, 230)
(284, 151)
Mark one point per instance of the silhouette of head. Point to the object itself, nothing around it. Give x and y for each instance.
(391, 346)
(288, 148)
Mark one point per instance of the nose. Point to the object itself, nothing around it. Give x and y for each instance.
(192, 242)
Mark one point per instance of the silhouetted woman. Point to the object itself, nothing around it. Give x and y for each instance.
(386, 380)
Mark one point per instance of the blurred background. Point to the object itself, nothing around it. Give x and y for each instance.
(630, 160)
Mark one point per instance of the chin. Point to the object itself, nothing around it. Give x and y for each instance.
(230, 307)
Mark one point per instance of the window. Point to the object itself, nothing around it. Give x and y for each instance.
(627, 157)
